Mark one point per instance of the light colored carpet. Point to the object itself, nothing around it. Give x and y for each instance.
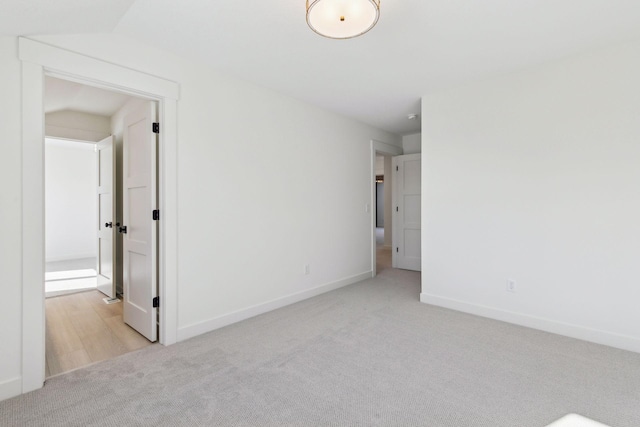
(367, 354)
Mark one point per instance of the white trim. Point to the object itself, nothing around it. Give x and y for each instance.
(71, 257)
(383, 147)
(33, 327)
(39, 59)
(83, 69)
(10, 388)
(168, 204)
(386, 149)
(246, 313)
(623, 342)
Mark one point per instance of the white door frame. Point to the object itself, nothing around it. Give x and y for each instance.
(39, 59)
(378, 147)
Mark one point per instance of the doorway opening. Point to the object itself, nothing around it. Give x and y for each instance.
(383, 222)
(381, 236)
(39, 60)
(85, 148)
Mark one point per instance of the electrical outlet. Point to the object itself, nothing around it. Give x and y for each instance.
(511, 286)
(307, 269)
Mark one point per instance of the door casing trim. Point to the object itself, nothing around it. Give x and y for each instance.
(40, 59)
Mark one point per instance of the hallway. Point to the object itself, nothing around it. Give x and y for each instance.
(383, 253)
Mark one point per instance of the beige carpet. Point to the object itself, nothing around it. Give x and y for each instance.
(367, 354)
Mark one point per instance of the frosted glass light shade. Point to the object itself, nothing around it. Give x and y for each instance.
(342, 19)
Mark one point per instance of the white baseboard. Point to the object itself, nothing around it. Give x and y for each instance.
(623, 342)
(246, 313)
(10, 388)
(71, 257)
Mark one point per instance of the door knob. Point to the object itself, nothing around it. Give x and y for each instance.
(123, 229)
(108, 224)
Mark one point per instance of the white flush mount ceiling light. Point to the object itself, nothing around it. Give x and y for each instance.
(342, 19)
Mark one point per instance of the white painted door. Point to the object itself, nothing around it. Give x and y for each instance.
(139, 230)
(106, 166)
(406, 212)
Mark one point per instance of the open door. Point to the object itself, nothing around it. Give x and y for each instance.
(106, 165)
(139, 229)
(406, 212)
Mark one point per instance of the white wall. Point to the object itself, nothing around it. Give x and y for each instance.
(70, 200)
(77, 125)
(256, 200)
(534, 177)
(412, 144)
(379, 165)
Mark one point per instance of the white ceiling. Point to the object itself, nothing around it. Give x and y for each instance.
(63, 95)
(418, 46)
(28, 17)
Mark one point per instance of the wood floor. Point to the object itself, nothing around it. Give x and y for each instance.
(383, 253)
(82, 329)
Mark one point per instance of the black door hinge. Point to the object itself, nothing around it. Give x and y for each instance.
(397, 168)
(156, 302)
(397, 209)
(156, 215)
(397, 249)
(156, 128)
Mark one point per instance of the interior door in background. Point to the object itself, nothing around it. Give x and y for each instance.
(106, 205)
(139, 230)
(406, 212)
